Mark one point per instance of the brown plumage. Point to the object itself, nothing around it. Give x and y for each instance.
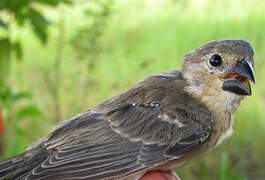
(159, 123)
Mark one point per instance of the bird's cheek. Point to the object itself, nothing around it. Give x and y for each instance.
(213, 81)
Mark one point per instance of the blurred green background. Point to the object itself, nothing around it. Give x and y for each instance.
(61, 57)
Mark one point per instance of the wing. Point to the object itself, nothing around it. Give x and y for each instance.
(153, 122)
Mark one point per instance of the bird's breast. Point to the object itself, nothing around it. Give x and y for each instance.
(225, 129)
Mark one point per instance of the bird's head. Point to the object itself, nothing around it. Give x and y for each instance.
(220, 70)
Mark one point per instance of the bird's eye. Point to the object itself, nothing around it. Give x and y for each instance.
(215, 60)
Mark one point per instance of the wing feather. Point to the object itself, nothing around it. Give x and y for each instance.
(145, 126)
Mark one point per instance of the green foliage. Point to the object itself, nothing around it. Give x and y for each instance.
(5, 48)
(17, 49)
(39, 24)
(28, 111)
(3, 24)
(9, 97)
(16, 112)
(54, 3)
(15, 14)
(86, 40)
(224, 166)
(20, 11)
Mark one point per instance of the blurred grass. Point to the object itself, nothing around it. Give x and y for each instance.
(145, 37)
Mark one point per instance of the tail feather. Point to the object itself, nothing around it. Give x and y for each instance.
(20, 165)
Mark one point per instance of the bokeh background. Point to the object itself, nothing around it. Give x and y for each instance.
(61, 57)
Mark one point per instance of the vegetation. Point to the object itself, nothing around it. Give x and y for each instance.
(96, 49)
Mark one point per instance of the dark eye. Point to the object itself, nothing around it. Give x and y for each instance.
(215, 60)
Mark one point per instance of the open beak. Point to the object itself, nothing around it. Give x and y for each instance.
(237, 79)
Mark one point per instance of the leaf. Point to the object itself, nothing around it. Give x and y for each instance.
(18, 50)
(55, 2)
(15, 96)
(4, 62)
(9, 97)
(5, 94)
(3, 24)
(39, 25)
(28, 111)
(20, 17)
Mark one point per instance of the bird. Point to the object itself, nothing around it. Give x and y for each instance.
(158, 125)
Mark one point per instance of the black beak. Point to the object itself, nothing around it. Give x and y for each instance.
(245, 68)
(237, 79)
